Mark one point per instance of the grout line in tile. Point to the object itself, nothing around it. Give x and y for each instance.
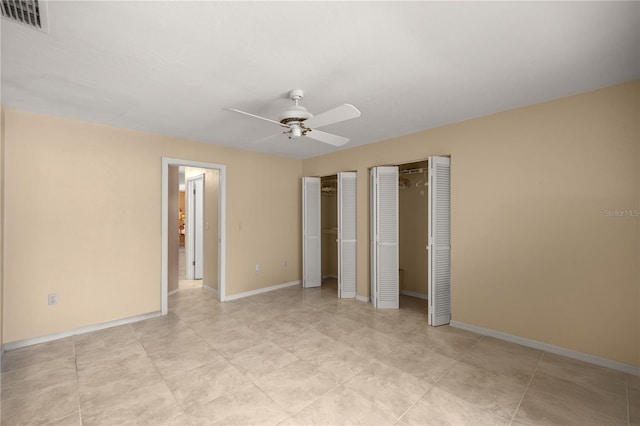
(75, 362)
(326, 392)
(414, 404)
(164, 382)
(457, 361)
(471, 348)
(172, 394)
(513, 416)
(628, 402)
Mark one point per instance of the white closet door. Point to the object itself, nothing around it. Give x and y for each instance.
(439, 263)
(311, 237)
(195, 228)
(384, 207)
(347, 235)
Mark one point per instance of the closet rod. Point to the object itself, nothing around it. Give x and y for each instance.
(412, 171)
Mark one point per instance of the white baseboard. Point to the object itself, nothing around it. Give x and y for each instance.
(415, 294)
(362, 298)
(173, 292)
(324, 276)
(261, 290)
(211, 290)
(546, 347)
(87, 329)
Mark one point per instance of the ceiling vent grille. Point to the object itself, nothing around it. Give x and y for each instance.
(32, 13)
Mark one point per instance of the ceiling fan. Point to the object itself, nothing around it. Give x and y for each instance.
(299, 122)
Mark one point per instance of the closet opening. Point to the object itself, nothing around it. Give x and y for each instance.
(410, 237)
(329, 231)
(413, 206)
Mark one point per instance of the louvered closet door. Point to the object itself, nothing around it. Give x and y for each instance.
(311, 241)
(347, 235)
(385, 235)
(439, 240)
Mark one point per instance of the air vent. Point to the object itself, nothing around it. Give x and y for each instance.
(32, 13)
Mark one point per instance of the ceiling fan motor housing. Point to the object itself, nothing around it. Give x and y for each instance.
(295, 113)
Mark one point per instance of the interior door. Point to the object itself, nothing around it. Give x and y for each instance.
(347, 186)
(439, 228)
(311, 237)
(385, 291)
(195, 227)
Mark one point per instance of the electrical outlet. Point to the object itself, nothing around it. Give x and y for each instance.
(53, 299)
(284, 263)
(257, 267)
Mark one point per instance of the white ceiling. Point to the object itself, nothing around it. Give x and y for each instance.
(171, 67)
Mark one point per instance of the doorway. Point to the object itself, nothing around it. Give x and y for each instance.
(213, 219)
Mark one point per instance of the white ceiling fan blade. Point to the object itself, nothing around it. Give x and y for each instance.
(257, 116)
(325, 137)
(336, 115)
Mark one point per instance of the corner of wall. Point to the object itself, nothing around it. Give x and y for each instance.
(638, 219)
(1, 226)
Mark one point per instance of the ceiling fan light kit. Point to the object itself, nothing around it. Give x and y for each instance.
(301, 122)
(295, 131)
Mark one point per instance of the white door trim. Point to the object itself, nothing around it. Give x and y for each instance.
(222, 169)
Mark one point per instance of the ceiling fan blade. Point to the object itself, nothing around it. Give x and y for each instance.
(257, 116)
(325, 137)
(336, 115)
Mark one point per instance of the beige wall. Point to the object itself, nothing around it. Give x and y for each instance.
(533, 253)
(84, 206)
(413, 229)
(210, 231)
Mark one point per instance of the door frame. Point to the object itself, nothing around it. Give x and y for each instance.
(222, 206)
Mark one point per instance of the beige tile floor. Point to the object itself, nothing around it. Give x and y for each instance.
(302, 357)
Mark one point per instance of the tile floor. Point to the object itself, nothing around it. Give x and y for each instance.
(303, 357)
